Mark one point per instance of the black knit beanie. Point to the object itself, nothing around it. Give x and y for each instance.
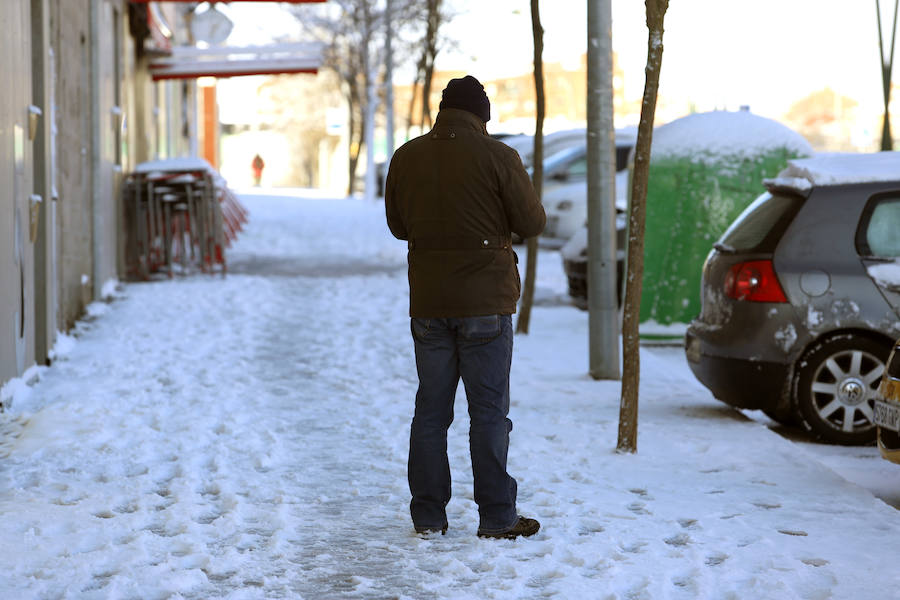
(467, 94)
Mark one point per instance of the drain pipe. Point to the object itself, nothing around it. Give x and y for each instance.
(96, 150)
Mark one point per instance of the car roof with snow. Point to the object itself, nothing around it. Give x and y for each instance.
(827, 169)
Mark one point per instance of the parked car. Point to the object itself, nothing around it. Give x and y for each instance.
(567, 211)
(557, 145)
(553, 143)
(565, 189)
(887, 408)
(575, 258)
(798, 314)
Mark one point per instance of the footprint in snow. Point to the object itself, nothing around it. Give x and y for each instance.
(635, 548)
(679, 539)
(127, 508)
(638, 508)
(590, 528)
(794, 532)
(640, 492)
(814, 562)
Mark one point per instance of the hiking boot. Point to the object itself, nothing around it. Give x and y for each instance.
(524, 527)
(430, 530)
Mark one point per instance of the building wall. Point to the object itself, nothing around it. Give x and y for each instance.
(75, 62)
(70, 36)
(105, 161)
(16, 254)
(97, 141)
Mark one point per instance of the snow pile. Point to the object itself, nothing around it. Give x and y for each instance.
(246, 437)
(800, 184)
(845, 168)
(18, 389)
(178, 164)
(720, 134)
(183, 163)
(886, 274)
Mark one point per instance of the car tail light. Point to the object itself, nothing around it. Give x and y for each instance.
(754, 281)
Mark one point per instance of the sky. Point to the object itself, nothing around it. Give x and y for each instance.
(719, 54)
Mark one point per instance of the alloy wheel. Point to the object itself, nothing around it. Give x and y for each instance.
(835, 387)
(844, 388)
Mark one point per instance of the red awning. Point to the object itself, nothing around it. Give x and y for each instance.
(229, 69)
(230, 1)
(273, 59)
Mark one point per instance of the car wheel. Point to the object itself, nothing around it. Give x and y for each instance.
(836, 385)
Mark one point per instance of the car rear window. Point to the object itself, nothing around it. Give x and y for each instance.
(762, 224)
(880, 228)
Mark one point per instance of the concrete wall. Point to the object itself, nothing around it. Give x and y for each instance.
(70, 38)
(106, 162)
(16, 253)
(75, 62)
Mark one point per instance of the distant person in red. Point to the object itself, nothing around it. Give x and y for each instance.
(257, 166)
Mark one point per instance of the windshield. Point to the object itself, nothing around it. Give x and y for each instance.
(760, 226)
(562, 158)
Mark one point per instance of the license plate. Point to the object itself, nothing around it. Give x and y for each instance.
(887, 416)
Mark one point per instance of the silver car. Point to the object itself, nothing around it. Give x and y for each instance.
(801, 297)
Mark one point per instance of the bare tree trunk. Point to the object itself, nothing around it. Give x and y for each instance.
(628, 410)
(887, 64)
(355, 134)
(537, 175)
(428, 58)
(369, 134)
(351, 161)
(389, 79)
(412, 100)
(370, 74)
(426, 95)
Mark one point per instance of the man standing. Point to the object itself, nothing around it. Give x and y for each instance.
(456, 194)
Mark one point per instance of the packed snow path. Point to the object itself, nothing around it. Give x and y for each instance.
(246, 437)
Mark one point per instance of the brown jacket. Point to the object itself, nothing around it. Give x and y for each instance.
(456, 194)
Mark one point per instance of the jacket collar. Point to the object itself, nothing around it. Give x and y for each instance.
(456, 117)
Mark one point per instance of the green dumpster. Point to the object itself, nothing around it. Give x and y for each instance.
(705, 168)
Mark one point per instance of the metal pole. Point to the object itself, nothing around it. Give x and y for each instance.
(603, 306)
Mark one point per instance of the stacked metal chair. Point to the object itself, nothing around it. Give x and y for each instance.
(179, 216)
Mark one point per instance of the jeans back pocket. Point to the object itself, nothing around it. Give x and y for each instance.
(481, 329)
(420, 327)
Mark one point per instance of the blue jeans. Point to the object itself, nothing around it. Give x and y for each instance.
(478, 349)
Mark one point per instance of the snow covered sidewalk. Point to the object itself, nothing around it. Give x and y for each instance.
(246, 437)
